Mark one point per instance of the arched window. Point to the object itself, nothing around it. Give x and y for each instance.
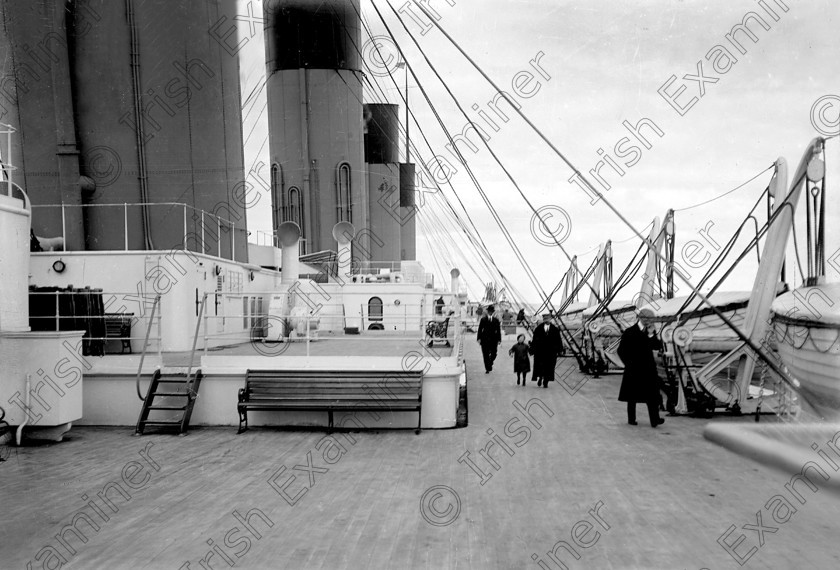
(277, 190)
(295, 207)
(342, 188)
(375, 309)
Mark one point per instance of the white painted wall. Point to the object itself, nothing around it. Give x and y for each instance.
(14, 264)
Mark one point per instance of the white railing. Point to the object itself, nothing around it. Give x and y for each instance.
(210, 232)
(329, 321)
(141, 321)
(6, 159)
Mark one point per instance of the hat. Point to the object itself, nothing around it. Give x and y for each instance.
(547, 315)
(491, 309)
(645, 312)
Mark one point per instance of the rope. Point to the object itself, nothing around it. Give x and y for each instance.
(600, 195)
(493, 154)
(478, 186)
(474, 236)
(709, 201)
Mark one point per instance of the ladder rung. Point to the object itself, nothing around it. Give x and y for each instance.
(171, 394)
(161, 422)
(167, 408)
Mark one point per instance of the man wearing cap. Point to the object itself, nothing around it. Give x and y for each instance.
(545, 346)
(489, 337)
(641, 381)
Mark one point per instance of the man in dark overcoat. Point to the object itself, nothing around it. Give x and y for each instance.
(489, 337)
(545, 346)
(640, 383)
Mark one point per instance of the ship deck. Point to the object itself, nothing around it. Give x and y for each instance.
(636, 497)
(374, 344)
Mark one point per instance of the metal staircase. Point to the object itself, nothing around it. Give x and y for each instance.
(169, 401)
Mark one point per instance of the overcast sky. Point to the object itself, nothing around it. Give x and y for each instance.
(602, 64)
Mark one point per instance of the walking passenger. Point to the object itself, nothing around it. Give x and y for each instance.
(489, 337)
(521, 360)
(640, 383)
(545, 346)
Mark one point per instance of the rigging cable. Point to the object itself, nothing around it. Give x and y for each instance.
(513, 245)
(724, 194)
(493, 212)
(607, 203)
(474, 238)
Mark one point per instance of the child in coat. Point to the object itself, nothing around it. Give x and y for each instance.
(521, 361)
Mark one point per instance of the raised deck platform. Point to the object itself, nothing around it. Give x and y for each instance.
(664, 496)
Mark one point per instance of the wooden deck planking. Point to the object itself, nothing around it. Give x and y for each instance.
(656, 486)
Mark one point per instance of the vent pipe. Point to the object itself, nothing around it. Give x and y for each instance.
(343, 233)
(289, 236)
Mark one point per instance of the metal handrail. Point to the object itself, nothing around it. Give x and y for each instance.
(195, 336)
(146, 345)
(219, 220)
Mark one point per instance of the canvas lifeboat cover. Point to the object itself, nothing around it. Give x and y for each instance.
(818, 304)
(724, 300)
(613, 307)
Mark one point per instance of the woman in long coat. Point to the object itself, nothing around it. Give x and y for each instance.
(640, 383)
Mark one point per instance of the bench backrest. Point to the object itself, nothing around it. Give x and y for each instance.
(334, 385)
(118, 323)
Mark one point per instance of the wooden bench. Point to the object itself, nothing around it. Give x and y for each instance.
(118, 325)
(330, 391)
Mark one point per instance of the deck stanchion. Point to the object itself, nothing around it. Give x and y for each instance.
(63, 227)
(159, 328)
(205, 324)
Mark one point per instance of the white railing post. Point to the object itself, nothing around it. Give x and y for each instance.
(158, 303)
(232, 241)
(205, 328)
(307, 336)
(125, 225)
(218, 237)
(203, 248)
(185, 226)
(9, 160)
(57, 323)
(63, 226)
